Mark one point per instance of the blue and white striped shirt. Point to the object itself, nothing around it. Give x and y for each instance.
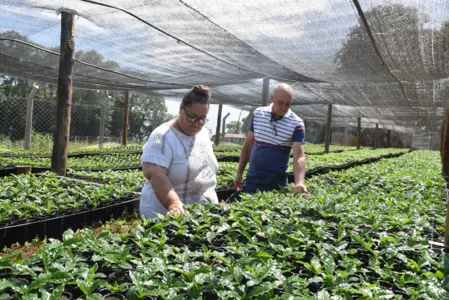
(273, 141)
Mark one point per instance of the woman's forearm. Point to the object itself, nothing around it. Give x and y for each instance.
(164, 190)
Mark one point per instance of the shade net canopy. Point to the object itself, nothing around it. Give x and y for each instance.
(385, 61)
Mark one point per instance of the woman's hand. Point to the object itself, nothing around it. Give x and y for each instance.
(176, 206)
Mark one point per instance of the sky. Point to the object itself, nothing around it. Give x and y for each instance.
(173, 108)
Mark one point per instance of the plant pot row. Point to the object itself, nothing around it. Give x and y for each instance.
(74, 155)
(6, 171)
(55, 226)
(230, 195)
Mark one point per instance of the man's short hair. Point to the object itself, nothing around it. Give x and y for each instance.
(282, 86)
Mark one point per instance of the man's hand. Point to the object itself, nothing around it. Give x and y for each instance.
(178, 206)
(238, 182)
(300, 188)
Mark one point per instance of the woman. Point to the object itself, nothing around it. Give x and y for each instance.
(178, 161)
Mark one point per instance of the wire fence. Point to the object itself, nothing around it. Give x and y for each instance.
(90, 124)
(101, 124)
(347, 136)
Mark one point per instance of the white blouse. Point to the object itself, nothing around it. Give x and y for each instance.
(191, 163)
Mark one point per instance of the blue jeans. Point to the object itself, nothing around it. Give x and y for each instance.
(265, 183)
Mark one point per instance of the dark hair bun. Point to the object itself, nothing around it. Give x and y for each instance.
(201, 90)
(197, 94)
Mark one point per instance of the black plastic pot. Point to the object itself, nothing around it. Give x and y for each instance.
(54, 227)
(315, 287)
(108, 169)
(228, 159)
(36, 229)
(74, 221)
(225, 194)
(35, 170)
(86, 154)
(118, 276)
(16, 234)
(66, 296)
(318, 171)
(342, 167)
(74, 291)
(6, 171)
(113, 296)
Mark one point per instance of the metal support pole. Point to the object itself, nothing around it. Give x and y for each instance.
(359, 132)
(376, 137)
(445, 168)
(224, 127)
(265, 91)
(327, 136)
(64, 103)
(29, 119)
(217, 131)
(125, 120)
(102, 125)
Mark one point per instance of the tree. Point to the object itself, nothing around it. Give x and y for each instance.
(234, 127)
(246, 121)
(147, 112)
(400, 29)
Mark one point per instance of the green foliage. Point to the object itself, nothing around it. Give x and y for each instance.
(235, 127)
(361, 233)
(41, 141)
(29, 196)
(357, 54)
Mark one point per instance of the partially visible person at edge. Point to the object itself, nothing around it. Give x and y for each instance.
(178, 161)
(273, 131)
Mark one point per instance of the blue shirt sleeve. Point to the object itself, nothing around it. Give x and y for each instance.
(299, 133)
(251, 124)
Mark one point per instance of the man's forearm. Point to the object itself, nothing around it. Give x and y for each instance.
(299, 169)
(164, 190)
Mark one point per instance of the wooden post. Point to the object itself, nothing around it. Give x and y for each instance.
(217, 132)
(63, 106)
(265, 91)
(359, 132)
(376, 137)
(388, 138)
(29, 118)
(445, 168)
(102, 125)
(327, 136)
(125, 120)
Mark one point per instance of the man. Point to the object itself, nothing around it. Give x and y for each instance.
(273, 131)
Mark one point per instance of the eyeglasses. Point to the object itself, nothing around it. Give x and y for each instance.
(192, 119)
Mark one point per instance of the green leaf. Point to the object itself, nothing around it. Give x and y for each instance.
(222, 258)
(436, 292)
(57, 292)
(19, 258)
(315, 262)
(323, 295)
(329, 265)
(249, 268)
(261, 254)
(261, 289)
(71, 241)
